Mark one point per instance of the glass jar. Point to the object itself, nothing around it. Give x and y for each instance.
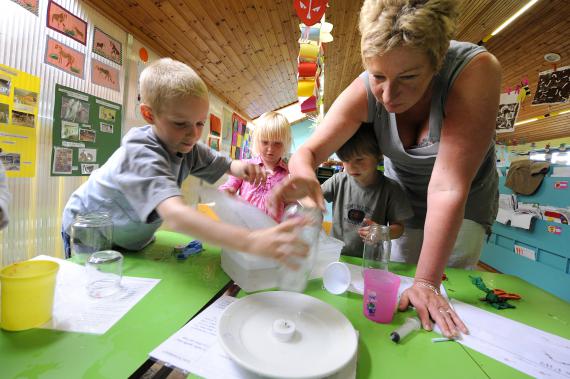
(377, 247)
(90, 233)
(104, 271)
(291, 279)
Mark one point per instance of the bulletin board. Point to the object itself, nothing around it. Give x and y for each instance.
(19, 97)
(86, 131)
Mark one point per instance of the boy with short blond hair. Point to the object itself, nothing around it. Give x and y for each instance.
(139, 186)
(362, 196)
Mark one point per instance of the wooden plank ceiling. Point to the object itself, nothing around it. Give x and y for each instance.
(246, 50)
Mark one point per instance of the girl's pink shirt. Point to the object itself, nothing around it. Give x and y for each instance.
(258, 195)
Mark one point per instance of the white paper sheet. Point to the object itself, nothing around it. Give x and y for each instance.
(75, 311)
(527, 349)
(560, 172)
(195, 348)
(357, 282)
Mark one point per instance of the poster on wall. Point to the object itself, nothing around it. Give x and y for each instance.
(553, 87)
(107, 46)
(104, 75)
(65, 22)
(64, 57)
(238, 131)
(508, 111)
(19, 99)
(30, 5)
(86, 131)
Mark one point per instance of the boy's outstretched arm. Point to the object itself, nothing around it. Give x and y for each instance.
(278, 242)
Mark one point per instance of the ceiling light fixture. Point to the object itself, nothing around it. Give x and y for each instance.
(551, 114)
(511, 19)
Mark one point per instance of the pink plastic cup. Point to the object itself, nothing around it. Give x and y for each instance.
(380, 295)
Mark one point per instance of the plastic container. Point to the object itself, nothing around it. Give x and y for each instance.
(27, 294)
(90, 233)
(377, 247)
(296, 279)
(380, 295)
(104, 271)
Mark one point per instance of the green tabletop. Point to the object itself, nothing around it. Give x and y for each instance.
(416, 356)
(185, 287)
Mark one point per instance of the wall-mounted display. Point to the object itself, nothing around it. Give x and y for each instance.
(508, 111)
(238, 131)
(65, 22)
(19, 98)
(86, 131)
(104, 75)
(64, 57)
(31, 5)
(553, 87)
(107, 47)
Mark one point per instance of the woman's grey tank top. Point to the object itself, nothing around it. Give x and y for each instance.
(412, 168)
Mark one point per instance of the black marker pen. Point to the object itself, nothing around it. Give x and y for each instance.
(411, 324)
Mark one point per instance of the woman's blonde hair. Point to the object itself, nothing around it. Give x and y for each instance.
(271, 126)
(427, 25)
(167, 79)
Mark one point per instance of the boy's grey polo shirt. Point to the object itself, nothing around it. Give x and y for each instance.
(135, 180)
(382, 202)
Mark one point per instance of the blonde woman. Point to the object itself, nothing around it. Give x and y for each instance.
(271, 144)
(433, 102)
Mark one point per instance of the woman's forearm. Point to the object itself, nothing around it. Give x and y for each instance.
(302, 163)
(443, 220)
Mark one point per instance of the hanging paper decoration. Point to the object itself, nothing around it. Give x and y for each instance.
(310, 11)
(508, 110)
(553, 87)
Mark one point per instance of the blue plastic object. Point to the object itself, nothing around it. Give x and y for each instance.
(192, 248)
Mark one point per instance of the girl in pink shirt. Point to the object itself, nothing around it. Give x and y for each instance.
(271, 142)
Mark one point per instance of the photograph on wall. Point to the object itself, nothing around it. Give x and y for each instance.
(63, 160)
(87, 169)
(89, 126)
(107, 114)
(508, 111)
(87, 155)
(107, 46)
(4, 86)
(11, 161)
(29, 5)
(4, 113)
(69, 130)
(75, 110)
(106, 127)
(104, 75)
(64, 57)
(65, 22)
(87, 135)
(553, 87)
(23, 119)
(19, 109)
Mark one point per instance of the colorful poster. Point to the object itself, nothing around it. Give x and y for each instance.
(553, 87)
(86, 131)
(64, 57)
(238, 131)
(19, 100)
(31, 5)
(65, 22)
(508, 111)
(107, 47)
(104, 75)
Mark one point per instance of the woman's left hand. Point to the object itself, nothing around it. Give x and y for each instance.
(432, 306)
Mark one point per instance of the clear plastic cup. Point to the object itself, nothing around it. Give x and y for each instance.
(377, 247)
(104, 271)
(296, 279)
(90, 233)
(380, 295)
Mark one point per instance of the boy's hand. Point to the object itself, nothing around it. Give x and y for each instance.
(365, 228)
(249, 172)
(280, 242)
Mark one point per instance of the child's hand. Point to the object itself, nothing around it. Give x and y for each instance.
(365, 228)
(280, 242)
(249, 172)
(230, 191)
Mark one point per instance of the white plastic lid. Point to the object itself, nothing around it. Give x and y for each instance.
(336, 278)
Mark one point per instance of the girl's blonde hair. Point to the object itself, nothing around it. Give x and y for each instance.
(427, 25)
(271, 126)
(167, 79)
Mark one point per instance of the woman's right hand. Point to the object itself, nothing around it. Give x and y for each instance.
(280, 242)
(293, 189)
